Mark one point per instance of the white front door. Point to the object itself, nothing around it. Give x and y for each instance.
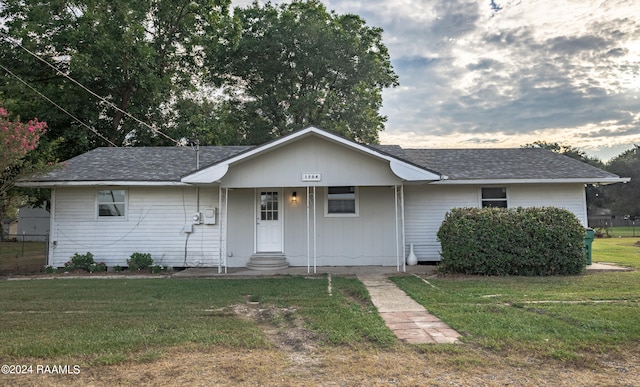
(269, 221)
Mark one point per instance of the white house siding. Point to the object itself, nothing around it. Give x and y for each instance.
(368, 239)
(154, 223)
(337, 166)
(568, 196)
(426, 206)
(240, 227)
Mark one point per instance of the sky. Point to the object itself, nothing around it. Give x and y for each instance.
(501, 74)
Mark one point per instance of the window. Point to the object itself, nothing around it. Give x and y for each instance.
(269, 205)
(111, 203)
(342, 201)
(494, 197)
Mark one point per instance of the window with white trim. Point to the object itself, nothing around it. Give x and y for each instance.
(341, 201)
(494, 197)
(112, 203)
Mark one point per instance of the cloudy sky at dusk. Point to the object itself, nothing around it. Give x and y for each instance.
(505, 73)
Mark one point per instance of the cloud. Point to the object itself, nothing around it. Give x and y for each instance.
(509, 72)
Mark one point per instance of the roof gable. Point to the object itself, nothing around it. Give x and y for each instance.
(401, 168)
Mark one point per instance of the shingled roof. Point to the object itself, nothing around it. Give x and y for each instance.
(511, 164)
(143, 164)
(170, 164)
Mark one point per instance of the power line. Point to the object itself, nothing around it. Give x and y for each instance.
(111, 104)
(69, 114)
(59, 107)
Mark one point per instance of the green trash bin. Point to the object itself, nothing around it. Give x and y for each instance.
(588, 241)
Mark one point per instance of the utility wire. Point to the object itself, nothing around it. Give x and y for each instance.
(69, 114)
(111, 104)
(59, 107)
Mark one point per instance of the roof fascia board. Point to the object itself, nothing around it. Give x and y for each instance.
(603, 181)
(51, 184)
(402, 169)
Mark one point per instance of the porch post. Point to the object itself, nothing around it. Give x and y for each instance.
(404, 261)
(315, 242)
(220, 254)
(395, 205)
(308, 235)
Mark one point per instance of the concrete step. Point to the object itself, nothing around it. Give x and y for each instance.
(267, 262)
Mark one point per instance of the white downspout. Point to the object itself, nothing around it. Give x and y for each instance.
(220, 254)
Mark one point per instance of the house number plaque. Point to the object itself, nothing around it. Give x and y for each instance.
(311, 177)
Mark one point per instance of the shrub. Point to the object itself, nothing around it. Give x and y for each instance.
(80, 261)
(97, 267)
(139, 261)
(158, 269)
(50, 269)
(521, 241)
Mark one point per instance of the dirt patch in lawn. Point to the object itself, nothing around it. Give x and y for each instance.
(299, 357)
(402, 366)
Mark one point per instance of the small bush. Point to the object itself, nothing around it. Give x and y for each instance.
(521, 241)
(50, 269)
(139, 261)
(80, 261)
(97, 267)
(158, 269)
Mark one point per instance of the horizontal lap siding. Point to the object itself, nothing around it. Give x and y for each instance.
(568, 196)
(154, 224)
(368, 239)
(425, 208)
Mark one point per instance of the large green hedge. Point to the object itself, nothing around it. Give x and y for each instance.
(520, 241)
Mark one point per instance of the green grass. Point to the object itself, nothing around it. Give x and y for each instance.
(106, 321)
(623, 231)
(623, 251)
(22, 257)
(566, 318)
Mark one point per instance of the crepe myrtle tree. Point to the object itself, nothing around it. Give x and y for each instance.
(17, 141)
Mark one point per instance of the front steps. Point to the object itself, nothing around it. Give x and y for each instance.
(267, 261)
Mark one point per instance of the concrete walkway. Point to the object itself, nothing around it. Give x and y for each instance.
(409, 320)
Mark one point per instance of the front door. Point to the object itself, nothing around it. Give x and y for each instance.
(269, 221)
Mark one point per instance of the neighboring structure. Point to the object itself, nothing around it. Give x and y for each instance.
(33, 223)
(309, 198)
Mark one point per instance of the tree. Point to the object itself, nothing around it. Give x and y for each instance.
(17, 140)
(567, 150)
(296, 65)
(625, 198)
(143, 56)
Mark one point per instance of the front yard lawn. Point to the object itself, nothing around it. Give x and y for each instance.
(566, 318)
(94, 321)
(622, 251)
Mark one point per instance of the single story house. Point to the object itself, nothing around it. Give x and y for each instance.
(310, 198)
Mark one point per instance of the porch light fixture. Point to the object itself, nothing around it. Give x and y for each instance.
(294, 197)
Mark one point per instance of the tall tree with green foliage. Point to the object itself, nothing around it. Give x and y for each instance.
(624, 199)
(145, 57)
(296, 65)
